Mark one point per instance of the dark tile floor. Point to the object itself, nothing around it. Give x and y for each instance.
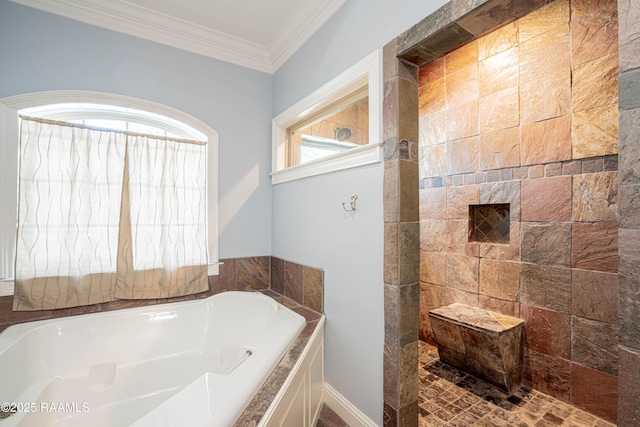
(328, 418)
(449, 397)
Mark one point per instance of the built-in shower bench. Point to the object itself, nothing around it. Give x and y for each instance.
(486, 344)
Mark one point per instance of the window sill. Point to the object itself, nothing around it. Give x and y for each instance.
(6, 287)
(214, 269)
(361, 156)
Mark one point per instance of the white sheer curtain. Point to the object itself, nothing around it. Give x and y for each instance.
(105, 215)
(164, 251)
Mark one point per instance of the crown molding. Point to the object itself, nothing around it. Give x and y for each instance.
(148, 24)
(306, 20)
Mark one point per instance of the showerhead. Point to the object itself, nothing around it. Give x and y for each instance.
(343, 134)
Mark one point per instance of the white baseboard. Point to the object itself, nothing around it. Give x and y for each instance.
(345, 409)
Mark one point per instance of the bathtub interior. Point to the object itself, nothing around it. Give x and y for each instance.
(147, 363)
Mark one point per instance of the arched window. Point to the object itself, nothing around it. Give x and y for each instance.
(102, 111)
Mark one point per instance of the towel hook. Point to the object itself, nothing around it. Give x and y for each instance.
(352, 203)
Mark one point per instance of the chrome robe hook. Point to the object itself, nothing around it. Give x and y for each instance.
(352, 203)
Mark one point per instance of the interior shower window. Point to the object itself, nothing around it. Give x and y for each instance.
(336, 127)
(341, 127)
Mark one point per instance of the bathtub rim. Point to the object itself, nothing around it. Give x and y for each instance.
(280, 397)
(18, 330)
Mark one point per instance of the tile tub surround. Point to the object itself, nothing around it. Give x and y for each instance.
(223, 282)
(486, 344)
(301, 283)
(303, 294)
(539, 99)
(262, 400)
(236, 274)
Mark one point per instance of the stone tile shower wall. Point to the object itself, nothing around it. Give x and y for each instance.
(401, 241)
(629, 201)
(528, 116)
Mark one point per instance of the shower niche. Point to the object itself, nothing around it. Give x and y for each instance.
(489, 223)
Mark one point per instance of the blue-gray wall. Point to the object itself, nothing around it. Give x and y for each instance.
(309, 225)
(300, 221)
(41, 51)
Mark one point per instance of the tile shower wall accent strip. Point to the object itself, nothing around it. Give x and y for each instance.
(545, 170)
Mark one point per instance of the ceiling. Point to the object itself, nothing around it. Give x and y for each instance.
(258, 34)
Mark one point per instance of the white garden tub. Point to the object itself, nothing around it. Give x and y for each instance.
(193, 363)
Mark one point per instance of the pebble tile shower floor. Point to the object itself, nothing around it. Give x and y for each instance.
(449, 397)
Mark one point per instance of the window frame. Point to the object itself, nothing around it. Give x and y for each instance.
(310, 121)
(367, 72)
(9, 148)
